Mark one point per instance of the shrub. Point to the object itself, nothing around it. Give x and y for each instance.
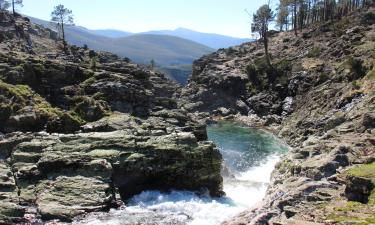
(355, 67)
(283, 66)
(314, 52)
(251, 72)
(356, 85)
(339, 28)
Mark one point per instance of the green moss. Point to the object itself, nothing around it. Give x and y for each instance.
(350, 207)
(22, 92)
(89, 81)
(366, 171)
(351, 220)
(356, 85)
(75, 117)
(314, 52)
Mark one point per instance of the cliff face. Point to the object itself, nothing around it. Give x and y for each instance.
(319, 95)
(81, 131)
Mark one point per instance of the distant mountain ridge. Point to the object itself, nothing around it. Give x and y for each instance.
(212, 40)
(165, 50)
(111, 33)
(173, 51)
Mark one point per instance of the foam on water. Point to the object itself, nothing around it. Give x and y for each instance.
(245, 186)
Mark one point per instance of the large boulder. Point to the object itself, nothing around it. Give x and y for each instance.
(68, 175)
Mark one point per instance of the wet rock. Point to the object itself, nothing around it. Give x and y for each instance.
(68, 175)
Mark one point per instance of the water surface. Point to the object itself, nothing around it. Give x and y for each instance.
(249, 156)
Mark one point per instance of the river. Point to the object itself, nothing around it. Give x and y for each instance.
(249, 154)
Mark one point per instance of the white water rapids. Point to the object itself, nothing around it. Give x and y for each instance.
(250, 156)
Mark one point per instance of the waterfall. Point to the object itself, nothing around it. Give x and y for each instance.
(250, 156)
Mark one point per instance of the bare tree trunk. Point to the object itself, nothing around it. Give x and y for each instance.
(63, 34)
(265, 42)
(295, 17)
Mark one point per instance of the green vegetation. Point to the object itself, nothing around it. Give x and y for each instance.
(262, 76)
(314, 52)
(261, 20)
(16, 98)
(62, 17)
(308, 12)
(355, 67)
(351, 220)
(366, 171)
(339, 27)
(89, 109)
(353, 212)
(356, 85)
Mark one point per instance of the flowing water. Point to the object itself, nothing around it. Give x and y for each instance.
(249, 155)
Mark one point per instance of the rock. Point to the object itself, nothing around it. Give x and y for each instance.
(242, 107)
(358, 189)
(69, 175)
(360, 183)
(264, 104)
(287, 106)
(368, 120)
(67, 197)
(224, 111)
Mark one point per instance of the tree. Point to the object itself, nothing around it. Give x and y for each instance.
(261, 20)
(14, 3)
(152, 64)
(282, 17)
(62, 16)
(4, 4)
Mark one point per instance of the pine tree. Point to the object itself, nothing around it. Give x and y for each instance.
(282, 17)
(4, 4)
(62, 17)
(15, 3)
(261, 20)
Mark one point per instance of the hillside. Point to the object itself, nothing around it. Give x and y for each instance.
(215, 41)
(319, 96)
(78, 137)
(141, 48)
(164, 49)
(111, 33)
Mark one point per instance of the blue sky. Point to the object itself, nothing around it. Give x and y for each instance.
(212, 16)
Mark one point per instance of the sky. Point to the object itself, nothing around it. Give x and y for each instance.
(227, 17)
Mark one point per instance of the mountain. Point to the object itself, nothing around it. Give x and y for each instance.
(215, 41)
(212, 40)
(165, 50)
(111, 33)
